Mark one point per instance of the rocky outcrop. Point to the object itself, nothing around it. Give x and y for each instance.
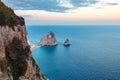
(32, 46)
(16, 61)
(48, 40)
(67, 42)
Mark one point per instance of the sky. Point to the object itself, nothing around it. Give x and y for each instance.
(67, 12)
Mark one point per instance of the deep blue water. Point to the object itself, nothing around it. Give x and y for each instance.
(94, 53)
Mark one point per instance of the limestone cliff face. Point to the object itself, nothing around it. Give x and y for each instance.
(48, 40)
(16, 61)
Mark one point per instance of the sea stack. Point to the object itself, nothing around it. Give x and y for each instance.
(16, 61)
(67, 42)
(48, 40)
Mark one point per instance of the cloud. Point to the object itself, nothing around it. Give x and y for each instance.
(48, 5)
(109, 2)
(78, 3)
(112, 3)
(84, 15)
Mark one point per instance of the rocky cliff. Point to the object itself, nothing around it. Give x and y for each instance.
(16, 61)
(48, 40)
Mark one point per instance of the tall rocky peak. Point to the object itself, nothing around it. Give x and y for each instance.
(16, 61)
(48, 40)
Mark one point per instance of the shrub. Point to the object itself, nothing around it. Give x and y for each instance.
(2, 18)
(10, 21)
(17, 62)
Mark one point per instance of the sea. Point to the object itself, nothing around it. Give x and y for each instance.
(94, 53)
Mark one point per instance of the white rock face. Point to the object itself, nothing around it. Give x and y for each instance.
(48, 40)
(32, 46)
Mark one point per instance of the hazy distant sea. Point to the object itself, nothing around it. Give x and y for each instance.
(93, 55)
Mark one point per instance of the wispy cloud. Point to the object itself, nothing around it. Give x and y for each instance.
(83, 15)
(57, 5)
(67, 11)
(48, 5)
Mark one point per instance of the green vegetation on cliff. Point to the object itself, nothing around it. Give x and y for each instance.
(8, 17)
(6, 9)
(17, 62)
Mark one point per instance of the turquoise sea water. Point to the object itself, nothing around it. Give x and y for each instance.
(94, 53)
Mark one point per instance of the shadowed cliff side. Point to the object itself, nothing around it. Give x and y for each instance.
(16, 61)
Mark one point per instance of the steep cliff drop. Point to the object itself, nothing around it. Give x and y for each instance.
(16, 61)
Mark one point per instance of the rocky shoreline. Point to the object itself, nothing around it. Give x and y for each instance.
(32, 46)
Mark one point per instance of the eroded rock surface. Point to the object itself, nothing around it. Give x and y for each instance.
(48, 40)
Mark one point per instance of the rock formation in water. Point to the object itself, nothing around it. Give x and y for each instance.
(16, 61)
(48, 40)
(67, 42)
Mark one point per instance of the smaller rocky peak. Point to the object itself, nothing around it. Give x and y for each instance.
(48, 40)
(67, 42)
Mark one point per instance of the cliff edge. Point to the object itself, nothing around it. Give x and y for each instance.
(16, 61)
